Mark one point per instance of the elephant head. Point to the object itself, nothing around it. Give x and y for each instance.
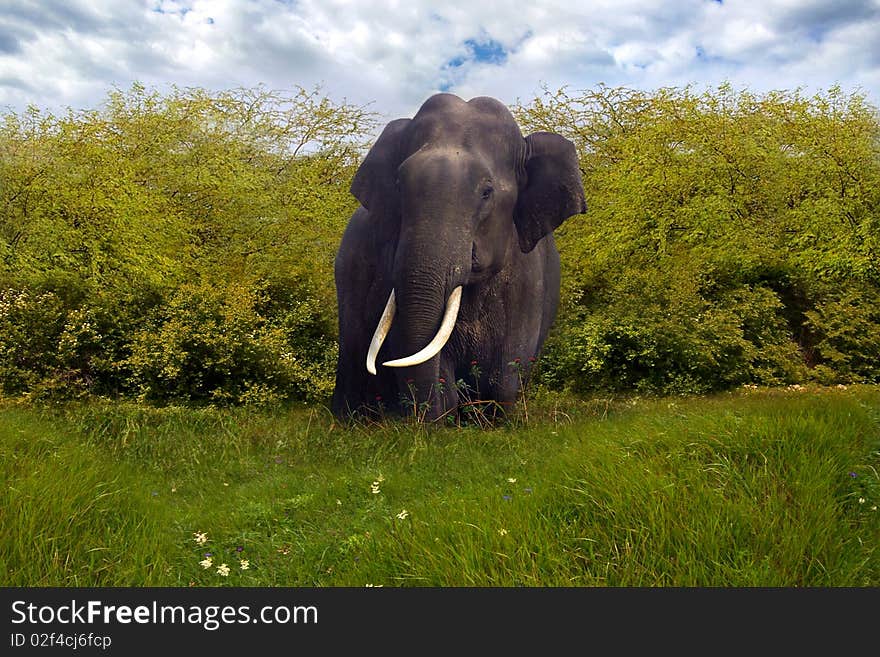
(463, 191)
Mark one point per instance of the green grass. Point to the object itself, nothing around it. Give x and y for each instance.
(743, 489)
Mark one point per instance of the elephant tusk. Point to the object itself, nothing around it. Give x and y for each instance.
(381, 333)
(443, 333)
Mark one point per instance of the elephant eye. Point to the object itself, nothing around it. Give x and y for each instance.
(487, 192)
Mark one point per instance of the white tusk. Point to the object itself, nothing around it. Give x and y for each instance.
(439, 340)
(381, 333)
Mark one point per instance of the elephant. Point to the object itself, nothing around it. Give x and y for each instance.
(447, 275)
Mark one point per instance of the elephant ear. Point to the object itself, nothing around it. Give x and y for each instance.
(374, 183)
(553, 191)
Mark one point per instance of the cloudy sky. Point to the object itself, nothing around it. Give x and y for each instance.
(392, 54)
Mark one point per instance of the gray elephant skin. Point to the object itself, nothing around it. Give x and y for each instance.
(448, 270)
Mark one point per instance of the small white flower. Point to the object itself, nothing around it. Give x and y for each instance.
(502, 532)
(403, 514)
(245, 564)
(874, 508)
(374, 488)
(511, 480)
(338, 502)
(200, 537)
(206, 563)
(223, 570)
(861, 500)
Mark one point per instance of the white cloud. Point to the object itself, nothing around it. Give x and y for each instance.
(395, 53)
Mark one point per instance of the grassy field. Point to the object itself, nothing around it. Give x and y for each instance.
(751, 488)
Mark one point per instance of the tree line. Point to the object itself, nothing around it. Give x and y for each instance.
(178, 247)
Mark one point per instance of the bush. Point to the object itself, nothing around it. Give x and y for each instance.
(31, 324)
(233, 344)
(141, 241)
(716, 223)
(664, 337)
(847, 325)
(731, 238)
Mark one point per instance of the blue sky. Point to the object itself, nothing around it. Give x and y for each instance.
(392, 54)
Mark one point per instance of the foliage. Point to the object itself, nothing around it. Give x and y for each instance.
(717, 224)
(30, 327)
(228, 345)
(125, 228)
(847, 325)
(675, 344)
(180, 246)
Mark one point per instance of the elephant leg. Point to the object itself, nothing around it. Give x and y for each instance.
(349, 395)
(352, 386)
(427, 391)
(507, 385)
(447, 395)
(506, 395)
(360, 295)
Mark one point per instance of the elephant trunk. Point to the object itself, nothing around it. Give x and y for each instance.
(450, 314)
(423, 314)
(426, 353)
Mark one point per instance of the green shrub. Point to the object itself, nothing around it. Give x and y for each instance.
(31, 324)
(57, 345)
(213, 344)
(716, 222)
(847, 325)
(668, 339)
(179, 245)
(121, 215)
